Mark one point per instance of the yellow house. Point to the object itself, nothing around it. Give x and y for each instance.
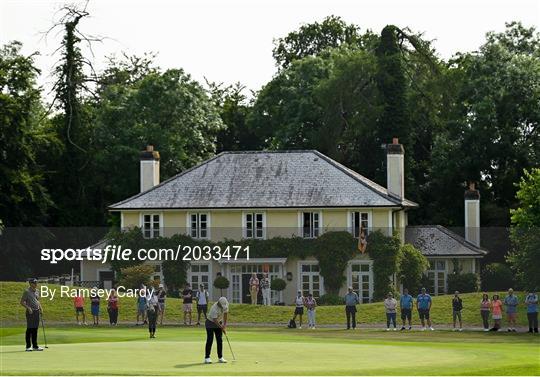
(237, 195)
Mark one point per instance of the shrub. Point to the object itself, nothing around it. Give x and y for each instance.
(464, 283)
(221, 283)
(278, 284)
(133, 277)
(384, 251)
(333, 251)
(412, 265)
(497, 277)
(330, 299)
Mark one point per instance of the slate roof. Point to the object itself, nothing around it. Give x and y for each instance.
(268, 179)
(436, 240)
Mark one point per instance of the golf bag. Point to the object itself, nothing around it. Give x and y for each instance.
(291, 324)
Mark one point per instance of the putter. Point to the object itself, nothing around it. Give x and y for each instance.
(229, 343)
(43, 327)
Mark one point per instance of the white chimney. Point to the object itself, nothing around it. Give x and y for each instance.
(395, 169)
(472, 215)
(149, 168)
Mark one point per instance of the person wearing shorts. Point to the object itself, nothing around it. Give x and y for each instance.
(141, 307)
(187, 294)
(299, 308)
(94, 305)
(496, 312)
(161, 295)
(406, 304)
(423, 305)
(202, 303)
(511, 303)
(457, 307)
(78, 303)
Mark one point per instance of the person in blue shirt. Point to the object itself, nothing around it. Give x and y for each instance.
(511, 303)
(351, 299)
(423, 305)
(406, 305)
(532, 311)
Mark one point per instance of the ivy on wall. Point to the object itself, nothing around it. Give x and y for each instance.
(384, 251)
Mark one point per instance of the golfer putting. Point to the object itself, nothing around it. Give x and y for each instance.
(216, 324)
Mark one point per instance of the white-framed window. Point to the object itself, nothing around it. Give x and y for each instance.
(310, 280)
(360, 220)
(200, 274)
(310, 224)
(151, 225)
(199, 225)
(254, 225)
(437, 276)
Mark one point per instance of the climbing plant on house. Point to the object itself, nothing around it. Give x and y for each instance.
(384, 251)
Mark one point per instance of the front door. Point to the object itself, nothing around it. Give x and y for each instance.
(106, 279)
(361, 280)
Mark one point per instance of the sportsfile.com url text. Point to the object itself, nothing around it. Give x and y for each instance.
(118, 253)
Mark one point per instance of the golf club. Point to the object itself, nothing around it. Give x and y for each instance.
(232, 353)
(43, 327)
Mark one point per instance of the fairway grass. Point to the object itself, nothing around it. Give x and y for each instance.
(265, 351)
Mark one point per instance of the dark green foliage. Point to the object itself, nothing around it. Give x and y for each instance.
(134, 277)
(278, 284)
(384, 251)
(412, 265)
(333, 251)
(221, 282)
(463, 283)
(330, 299)
(497, 277)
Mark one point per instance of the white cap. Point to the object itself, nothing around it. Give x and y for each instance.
(224, 303)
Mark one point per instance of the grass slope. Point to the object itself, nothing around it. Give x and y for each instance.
(263, 351)
(61, 310)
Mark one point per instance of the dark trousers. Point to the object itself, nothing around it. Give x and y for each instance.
(350, 312)
(485, 318)
(113, 316)
(152, 319)
(390, 317)
(533, 320)
(211, 330)
(32, 325)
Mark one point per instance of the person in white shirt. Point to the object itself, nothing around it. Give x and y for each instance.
(265, 288)
(390, 304)
(216, 324)
(299, 308)
(202, 303)
(311, 304)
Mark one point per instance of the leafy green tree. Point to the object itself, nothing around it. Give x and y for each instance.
(24, 199)
(525, 234)
(312, 39)
(385, 252)
(412, 264)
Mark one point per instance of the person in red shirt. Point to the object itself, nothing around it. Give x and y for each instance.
(78, 302)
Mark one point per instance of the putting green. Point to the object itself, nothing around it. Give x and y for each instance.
(263, 351)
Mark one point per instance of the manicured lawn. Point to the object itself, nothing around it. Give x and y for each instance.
(264, 351)
(61, 310)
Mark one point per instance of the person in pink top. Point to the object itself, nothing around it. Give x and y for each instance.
(78, 303)
(496, 312)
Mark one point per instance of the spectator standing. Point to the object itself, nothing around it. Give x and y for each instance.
(265, 288)
(152, 310)
(162, 295)
(78, 303)
(406, 302)
(311, 304)
(254, 288)
(187, 294)
(457, 307)
(390, 305)
(496, 309)
(30, 301)
(94, 305)
(351, 300)
(202, 303)
(299, 307)
(423, 305)
(511, 303)
(112, 308)
(485, 306)
(141, 306)
(532, 311)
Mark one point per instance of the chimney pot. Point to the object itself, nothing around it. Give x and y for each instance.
(395, 169)
(149, 148)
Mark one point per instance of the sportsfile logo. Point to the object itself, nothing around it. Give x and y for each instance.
(66, 291)
(118, 253)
